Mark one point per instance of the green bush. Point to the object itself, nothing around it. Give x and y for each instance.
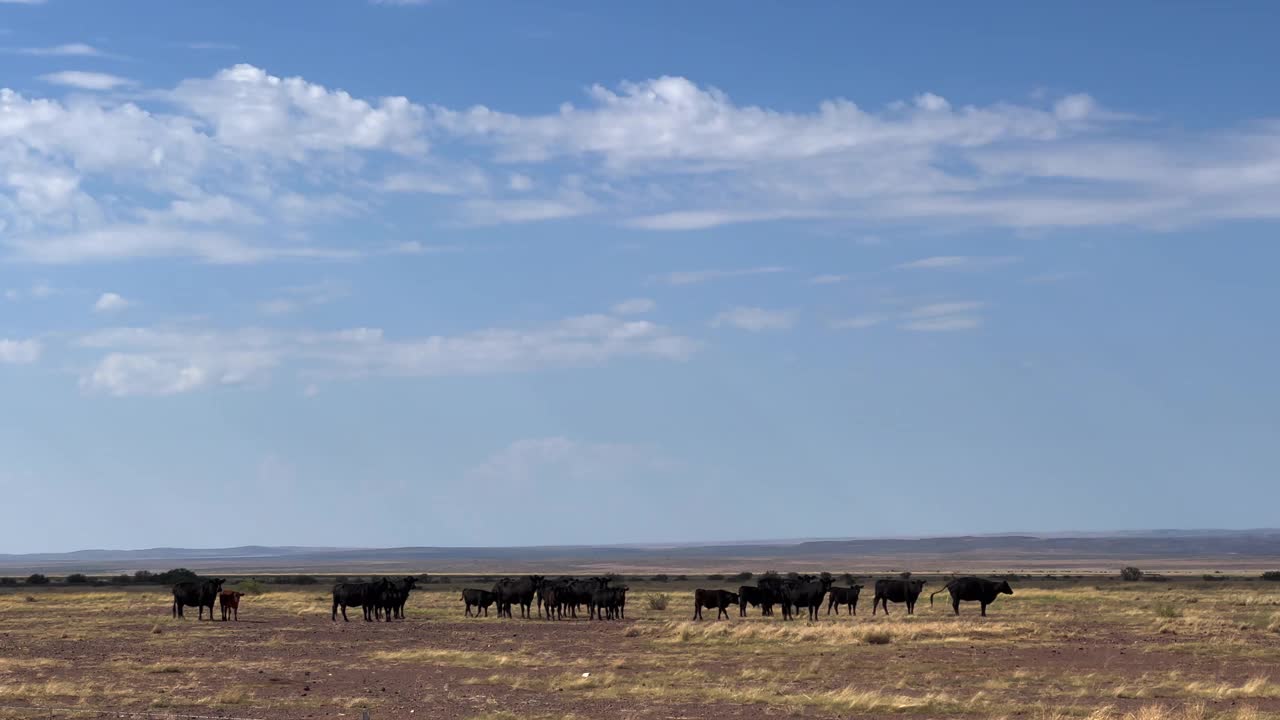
(660, 578)
(1271, 575)
(8, 581)
(1168, 611)
(250, 586)
(715, 576)
(1130, 574)
(659, 601)
(77, 579)
(741, 577)
(37, 579)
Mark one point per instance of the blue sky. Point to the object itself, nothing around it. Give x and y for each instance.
(495, 273)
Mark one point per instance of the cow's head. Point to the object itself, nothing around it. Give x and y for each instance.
(217, 583)
(826, 583)
(409, 582)
(1004, 588)
(855, 587)
(537, 580)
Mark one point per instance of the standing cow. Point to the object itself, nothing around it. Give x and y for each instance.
(844, 596)
(907, 591)
(196, 593)
(479, 599)
(229, 603)
(719, 599)
(974, 589)
(519, 591)
(365, 595)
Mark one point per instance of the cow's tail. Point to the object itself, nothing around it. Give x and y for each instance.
(941, 589)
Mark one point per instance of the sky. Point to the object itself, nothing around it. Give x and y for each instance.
(470, 272)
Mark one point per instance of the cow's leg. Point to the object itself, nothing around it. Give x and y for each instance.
(984, 609)
(955, 606)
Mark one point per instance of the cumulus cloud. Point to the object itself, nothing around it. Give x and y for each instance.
(109, 303)
(754, 319)
(173, 360)
(20, 352)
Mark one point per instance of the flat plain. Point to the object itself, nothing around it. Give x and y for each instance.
(1093, 648)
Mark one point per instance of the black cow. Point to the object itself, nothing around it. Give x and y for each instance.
(196, 593)
(719, 599)
(549, 598)
(576, 593)
(907, 591)
(755, 596)
(519, 591)
(481, 599)
(974, 589)
(610, 601)
(392, 601)
(365, 595)
(844, 596)
(804, 594)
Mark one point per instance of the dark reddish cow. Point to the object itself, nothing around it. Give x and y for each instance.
(229, 602)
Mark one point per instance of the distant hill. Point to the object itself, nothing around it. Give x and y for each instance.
(1158, 550)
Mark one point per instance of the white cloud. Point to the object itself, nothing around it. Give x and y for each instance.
(251, 109)
(754, 319)
(525, 464)
(20, 352)
(67, 50)
(694, 277)
(86, 80)
(859, 322)
(944, 317)
(109, 303)
(519, 182)
(172, 360)
(300, 297)
(634, 306)
(959, 262)
(827, 279)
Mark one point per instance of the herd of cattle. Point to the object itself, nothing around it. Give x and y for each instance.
(385, 598)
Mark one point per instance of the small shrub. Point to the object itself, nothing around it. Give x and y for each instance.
(37, 579)
(660, 578)
(1130, 574)
(878, 638)
(8, 581)
(1273, 575)
(681, 578)
(905, 574)
(659, 601)
(77, 579)
(250, 586)
(31, 598)
(1168, 611)
(741, 577)
(715, 576)
(122, 579)
(144, 576)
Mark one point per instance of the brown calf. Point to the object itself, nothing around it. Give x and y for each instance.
(229, 601)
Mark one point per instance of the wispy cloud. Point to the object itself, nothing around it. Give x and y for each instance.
(172, 360)
(66, 50)
(859, 322)
(299, 297)
(635, 306)
(694, 277)
(944, 317)
(959, 262)
(827, 279)
(755, 319)
(86, 80)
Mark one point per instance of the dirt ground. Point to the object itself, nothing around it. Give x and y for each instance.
(1183, 649)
